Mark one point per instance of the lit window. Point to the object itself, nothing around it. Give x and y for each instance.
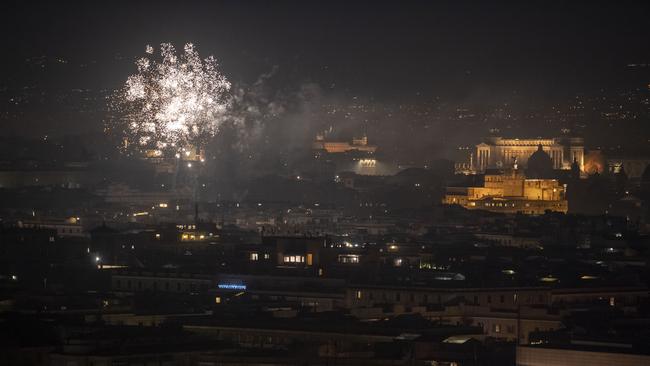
(349, 258)
(266, 256)
(359, 294)
(254, 256)
(217, 300)
(310, 259)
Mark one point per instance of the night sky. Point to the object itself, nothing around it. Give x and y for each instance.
(389, 50)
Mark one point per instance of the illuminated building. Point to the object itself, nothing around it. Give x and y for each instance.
(333, 147)
(166, 163)
(509, 191)
(185, 154)
(194, 233)
(296, 251)
(70, 227)
(497, 152)
(633, 166)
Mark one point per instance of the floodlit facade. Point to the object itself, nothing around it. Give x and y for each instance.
(510, 192)
(334, 147)
(497, 152)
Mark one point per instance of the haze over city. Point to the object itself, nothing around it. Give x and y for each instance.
(324, 183)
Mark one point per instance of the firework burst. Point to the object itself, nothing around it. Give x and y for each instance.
(174, 101)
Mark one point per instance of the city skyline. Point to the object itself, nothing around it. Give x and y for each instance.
(468, 53)
(246, 183)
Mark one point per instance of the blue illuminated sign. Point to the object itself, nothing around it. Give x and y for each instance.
(231, 286)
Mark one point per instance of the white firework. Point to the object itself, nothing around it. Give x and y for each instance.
(174, 101)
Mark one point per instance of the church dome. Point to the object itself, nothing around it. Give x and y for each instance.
(540, 165)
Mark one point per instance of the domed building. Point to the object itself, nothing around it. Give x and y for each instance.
(540, 165)
(510, 191)
(496, 152)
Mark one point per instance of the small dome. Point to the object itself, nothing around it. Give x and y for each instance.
(540, 165)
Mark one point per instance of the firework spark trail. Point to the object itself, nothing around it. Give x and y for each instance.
(174, 101)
